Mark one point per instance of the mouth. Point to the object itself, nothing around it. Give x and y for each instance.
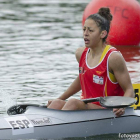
(86, 41)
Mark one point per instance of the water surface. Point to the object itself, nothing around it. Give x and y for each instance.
(38, 39)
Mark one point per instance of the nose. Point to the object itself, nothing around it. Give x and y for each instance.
(86, 32)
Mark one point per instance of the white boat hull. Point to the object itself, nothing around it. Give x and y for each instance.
(46, 123)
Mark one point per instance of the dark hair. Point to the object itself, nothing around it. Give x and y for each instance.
(103, 19)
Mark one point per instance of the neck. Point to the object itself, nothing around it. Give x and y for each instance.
(97, 50)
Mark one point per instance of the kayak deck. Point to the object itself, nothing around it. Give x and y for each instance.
(37, 122)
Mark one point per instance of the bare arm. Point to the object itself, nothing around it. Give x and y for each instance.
(72, 89)
(118, 67)
(75, 86)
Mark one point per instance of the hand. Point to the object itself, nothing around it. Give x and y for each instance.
(119, 111)
(49, 102)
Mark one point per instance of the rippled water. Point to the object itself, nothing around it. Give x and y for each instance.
(38, 39)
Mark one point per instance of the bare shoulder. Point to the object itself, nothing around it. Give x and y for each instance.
(118, 67)
(116, 57)
(116, 61)
(78, 53)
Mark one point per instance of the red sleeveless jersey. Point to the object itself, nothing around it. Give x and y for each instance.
(95, 81)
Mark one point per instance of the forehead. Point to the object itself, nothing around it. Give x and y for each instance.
(90, 23)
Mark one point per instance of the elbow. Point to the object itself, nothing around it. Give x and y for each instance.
(133, 94)
(130, 93)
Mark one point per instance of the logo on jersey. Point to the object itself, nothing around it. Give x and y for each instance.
(98, 72)
(98, 79)
(82, 70)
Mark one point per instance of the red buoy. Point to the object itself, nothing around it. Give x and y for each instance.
(125, 26)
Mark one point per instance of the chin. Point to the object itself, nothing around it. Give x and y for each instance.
(86, 45)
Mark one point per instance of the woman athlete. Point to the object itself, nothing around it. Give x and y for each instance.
(102, 68)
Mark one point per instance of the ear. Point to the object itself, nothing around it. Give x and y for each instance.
(103, 34)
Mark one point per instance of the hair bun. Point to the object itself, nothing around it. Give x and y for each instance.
(105, 12)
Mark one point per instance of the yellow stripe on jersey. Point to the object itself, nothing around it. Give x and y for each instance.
(105, 89)
(112, 77)
(104, 52)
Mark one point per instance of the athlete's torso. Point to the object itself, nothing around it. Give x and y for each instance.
(97, 81)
